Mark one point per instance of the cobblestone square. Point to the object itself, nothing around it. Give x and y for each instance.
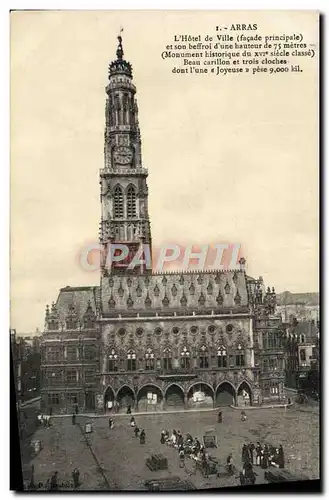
(116, 459)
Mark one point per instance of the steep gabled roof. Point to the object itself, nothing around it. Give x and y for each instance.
(78, 297)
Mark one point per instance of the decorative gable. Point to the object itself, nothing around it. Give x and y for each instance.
(202, 300)
(183, 300)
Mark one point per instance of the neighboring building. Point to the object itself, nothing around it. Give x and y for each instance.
(302, 351)
(16, 364)
(303, 306)
(155, 340)
(28, 344)
(26, 361)
(27, 365)
(70, 351)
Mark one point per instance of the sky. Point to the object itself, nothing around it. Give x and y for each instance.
(230, 158)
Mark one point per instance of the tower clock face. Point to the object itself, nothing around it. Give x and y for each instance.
(123, 155)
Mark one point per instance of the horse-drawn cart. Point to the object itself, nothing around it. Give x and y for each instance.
(208, 467)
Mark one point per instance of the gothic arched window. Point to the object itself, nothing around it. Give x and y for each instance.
(125, 101)
(185, 358)
(131, 361)
(125, 108)
(239, 357)
(131, 202)
(167, 360)
(113, 361)
(118, 202)
(149, 359)
(221, 357)
(71, 320)
(112, 110)
(117, 103)
(203, 357)
(89, 322)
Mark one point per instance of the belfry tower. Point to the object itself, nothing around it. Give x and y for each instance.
(124, 192)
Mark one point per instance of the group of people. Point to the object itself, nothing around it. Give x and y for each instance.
(44, 420)
(186, 447)
(263, 456)
(252, 455)
(138, 433)
(220, 417)
(191, 445)
(53, 481)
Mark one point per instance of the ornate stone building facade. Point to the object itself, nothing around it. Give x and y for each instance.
(70, 351)
(160, 340)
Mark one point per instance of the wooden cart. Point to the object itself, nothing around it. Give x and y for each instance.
(210, 437)
(282, 475)
(169, 484)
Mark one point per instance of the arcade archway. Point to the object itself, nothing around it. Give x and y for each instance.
(225, 394)
(109, 400)
(174, 397)
(244, 394)
(149, 398)
(200, 396)
(125, 398)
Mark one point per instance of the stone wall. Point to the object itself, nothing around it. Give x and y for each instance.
(161, 335)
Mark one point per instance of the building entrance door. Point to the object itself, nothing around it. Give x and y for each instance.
(89, 400)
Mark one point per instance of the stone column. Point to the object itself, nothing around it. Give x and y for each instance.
(256, 396)
(185, 402)
(282, 392)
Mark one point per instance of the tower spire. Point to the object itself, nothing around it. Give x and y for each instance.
(125, 217)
